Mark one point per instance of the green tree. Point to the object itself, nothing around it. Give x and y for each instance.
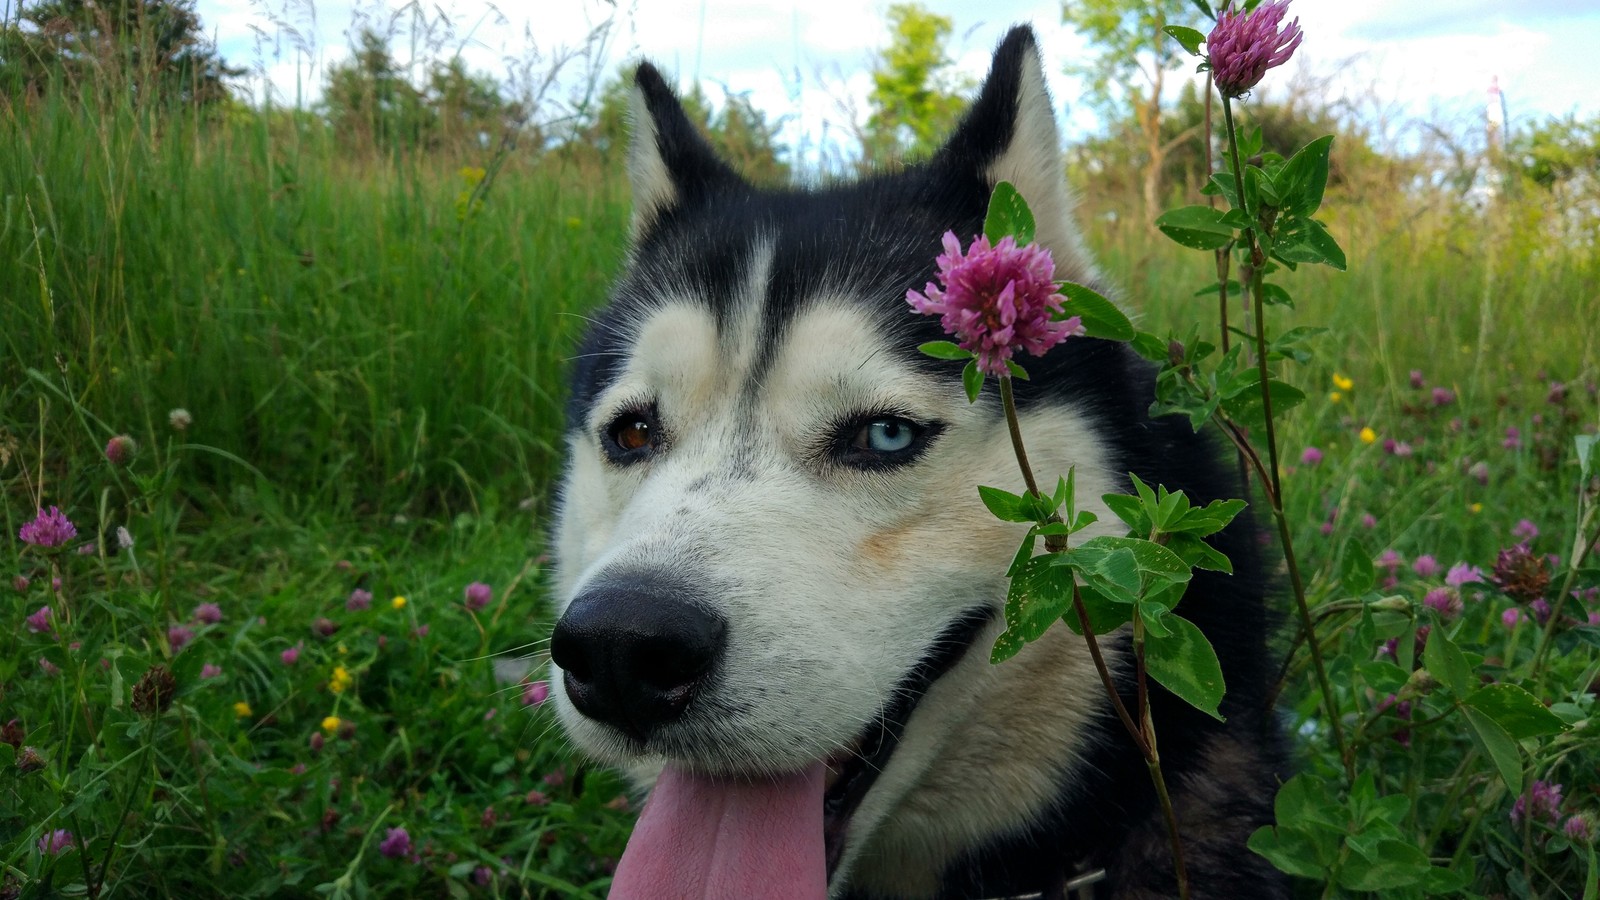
(1126, 76)
(156, 47)
(1557, 151)
(915, 98)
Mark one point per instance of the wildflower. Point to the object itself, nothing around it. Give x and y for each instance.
(179, 636)
(208, 614)
(1400, 449)
(1425, 566)
(1342, 383)
(153, 692)
(20, 584)
(1542, 802)
(347, 730)
(1511, 618)
(88, 549)
(1310, 456)
(1368, 520)
(340, 680)
(1541, 610)
(996, 300)
(1443, 601)
(241, 709)
(179, 419)
(482, 876)
(57, 842)
(12, 734)
(1520, 574)
(1525, 530)
(1579, 830)
(1367, 435)
(49, 667)
(556, 778)
(1416, 378)
(396, 844)
(489, 818)
(1513, 439)
(398, 603)
(48, 529)
(421, 631)
(618, 803)
(324, 626)
(536, 798)
(490, 713)
(39, 622)
(1390, 560)
(1461, 574)
(29, 760)
(124, 538)
(1443, 396)
(1335, 396)
(120, 449)
(478, 595)
(1479, 472)
(535, 693)
(1243, 46)
(291, 655)
(1475, 508)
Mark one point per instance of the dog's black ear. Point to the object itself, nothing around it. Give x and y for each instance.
(669, 164)
(1010, 134)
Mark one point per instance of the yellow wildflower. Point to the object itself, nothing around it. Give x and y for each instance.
(1342, 383)
(330, 724)
(472, 175)
(1368, 435)
(343, 650)
(241, 709)
(1476, 508)
(1335, 397)
(398, 603)
(340, 680)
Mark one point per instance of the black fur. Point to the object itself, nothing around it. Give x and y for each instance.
(877, 238)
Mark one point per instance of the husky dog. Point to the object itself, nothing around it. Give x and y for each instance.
(778, 587)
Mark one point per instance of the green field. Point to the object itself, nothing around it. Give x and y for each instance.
(371, 349)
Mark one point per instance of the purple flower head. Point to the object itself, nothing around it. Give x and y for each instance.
(996, 300)
(1510, 618)
(1390, 560)
(56, 842)
(1558, 393)
(1579, 830)
(1400, 449)
(1521, 574)
(48, 529)
(1541, 610)
(48, 667)
(359, 599)
(120, 449)
(20, 584)
(1425, 566)
(291, 655)
(1541, 803)
(536, 798)
(208, 614)
(1513, 440)
(1243, 46)
(1443, 601)
(324, 626)
(39, 622)
(1368, 520)
(1310, 456)
(396, 843)
(1525, 530)
(1443, 396)
(1461, 574)
(478, 595)
(1416, 378)
(1479, 472)
(535, 693)
(179, 636)
(210, 671)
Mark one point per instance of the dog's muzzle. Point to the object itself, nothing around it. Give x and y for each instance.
(634, 652)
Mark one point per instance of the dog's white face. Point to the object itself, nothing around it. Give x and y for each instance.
(799, 494)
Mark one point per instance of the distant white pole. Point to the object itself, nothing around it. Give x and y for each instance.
(1495, 118)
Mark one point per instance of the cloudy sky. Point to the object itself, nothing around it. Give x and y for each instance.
(806, 61)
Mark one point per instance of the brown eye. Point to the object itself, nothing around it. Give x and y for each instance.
(632, 436)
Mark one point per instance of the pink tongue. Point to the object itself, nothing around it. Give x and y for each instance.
(701, 837)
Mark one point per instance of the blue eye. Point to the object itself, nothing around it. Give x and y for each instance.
(885, 435)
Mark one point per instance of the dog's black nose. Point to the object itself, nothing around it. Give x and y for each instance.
(633, 653)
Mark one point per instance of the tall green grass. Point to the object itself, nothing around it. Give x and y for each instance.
(373, 333)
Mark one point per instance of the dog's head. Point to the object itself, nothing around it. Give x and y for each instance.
(770, 547)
